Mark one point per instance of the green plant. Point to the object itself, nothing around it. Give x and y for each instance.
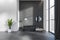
(10, 23)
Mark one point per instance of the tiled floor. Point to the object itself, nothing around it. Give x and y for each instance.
(26, 36)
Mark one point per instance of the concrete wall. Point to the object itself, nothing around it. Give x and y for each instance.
(26, 11)
(38, 12)
(30, 10)
(8, 9)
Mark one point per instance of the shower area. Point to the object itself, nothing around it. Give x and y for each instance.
(31, 15)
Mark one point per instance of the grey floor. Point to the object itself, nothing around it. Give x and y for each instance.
(26, 36)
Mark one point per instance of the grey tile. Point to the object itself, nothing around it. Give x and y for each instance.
(26, 36)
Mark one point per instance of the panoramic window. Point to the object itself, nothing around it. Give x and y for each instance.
(52, 14)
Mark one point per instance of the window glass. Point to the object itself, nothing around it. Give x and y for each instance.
(52, 28)
(51, 3)
(52, 13)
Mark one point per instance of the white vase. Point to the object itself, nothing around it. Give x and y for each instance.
(9, 30)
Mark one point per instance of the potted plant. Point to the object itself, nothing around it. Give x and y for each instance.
(9, 24)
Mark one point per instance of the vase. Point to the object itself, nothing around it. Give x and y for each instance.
(9, 30)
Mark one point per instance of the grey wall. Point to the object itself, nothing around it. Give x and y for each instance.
(26, 11)
(8, 9)
(30, 10)
(38, 11)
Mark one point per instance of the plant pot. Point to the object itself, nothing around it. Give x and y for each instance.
(9, 30)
